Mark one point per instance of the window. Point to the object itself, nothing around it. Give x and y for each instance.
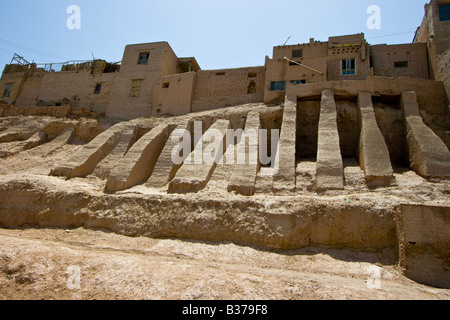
(294, 63)
(98, 88)
(7, 91)
(296, 82)
(251, 87)
(135, 88)
(143, 57)
(166, 85)
(277, 86)
(348, 67)
(252, 74)
(297, 53)
(220, 73)
(444, 12)
(401, 64)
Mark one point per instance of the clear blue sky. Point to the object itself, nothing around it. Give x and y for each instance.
(220, 34)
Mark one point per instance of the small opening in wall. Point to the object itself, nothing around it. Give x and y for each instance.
(166, 85)
(8, 89)
(220, 73)
(98, 88)
(251, 87)
(401, 64)
(297, 53)
(252, 75)
(143, 57)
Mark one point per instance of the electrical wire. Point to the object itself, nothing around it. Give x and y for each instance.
(35, 51)
(9, 51)
(391, 35)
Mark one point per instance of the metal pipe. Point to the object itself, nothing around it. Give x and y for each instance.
(302, 65)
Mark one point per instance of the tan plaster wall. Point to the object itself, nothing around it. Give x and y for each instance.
(173, 94)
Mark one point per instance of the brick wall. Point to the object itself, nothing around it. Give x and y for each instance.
(76, 89)
(385, 57)
(219, 88)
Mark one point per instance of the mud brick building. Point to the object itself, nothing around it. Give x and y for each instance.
(152, 80)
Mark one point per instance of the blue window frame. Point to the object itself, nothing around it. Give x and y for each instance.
(348, 67)
(444, 12)
(278, 86)
(298, 82)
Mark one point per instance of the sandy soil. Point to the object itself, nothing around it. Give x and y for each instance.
(85, 264)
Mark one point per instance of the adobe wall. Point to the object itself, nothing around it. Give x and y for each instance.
(29, 93)
(75, 89)
(423, 237)
(334, 66)
(121, 105)
(314, 55)
(325, 57)
(436, 35)
(441, 28)
(384, 58)
(347, 47)
(173, 95)
(11, 78)
(431, 94)
(219, 88)
(443, 74)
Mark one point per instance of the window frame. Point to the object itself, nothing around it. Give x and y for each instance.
(142, 62)
(98, 88)
(136, 85)
(444, 12)
(348, 71)
(278, 86)
(401, 64)
(297, 53)
(7, 92)
(298, 82)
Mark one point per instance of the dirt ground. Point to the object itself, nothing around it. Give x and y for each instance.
(81, 264)
(77, 264)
